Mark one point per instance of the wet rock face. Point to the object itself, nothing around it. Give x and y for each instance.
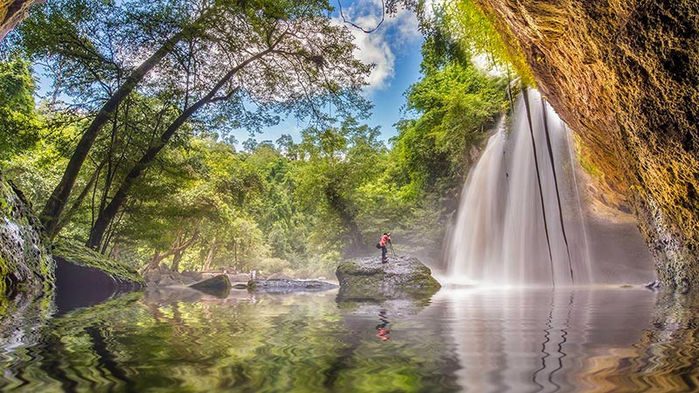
(369, 279)
(25, 262)
(625, 76)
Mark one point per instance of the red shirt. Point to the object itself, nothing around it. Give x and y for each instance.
(384, 240)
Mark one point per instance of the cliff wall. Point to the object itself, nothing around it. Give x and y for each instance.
(625, 76)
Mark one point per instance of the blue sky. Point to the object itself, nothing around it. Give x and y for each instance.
(394, 49)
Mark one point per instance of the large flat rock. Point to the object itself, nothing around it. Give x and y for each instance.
(286, 286)
(369, 279)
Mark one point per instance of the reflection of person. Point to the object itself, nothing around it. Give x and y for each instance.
(384, 327)
(385, 240)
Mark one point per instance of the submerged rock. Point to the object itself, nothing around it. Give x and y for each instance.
(369, 279)
(285, 285)
(218, 286)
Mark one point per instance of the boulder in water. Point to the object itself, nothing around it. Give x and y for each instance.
(218, 286)
(85, 277)
(369, 279)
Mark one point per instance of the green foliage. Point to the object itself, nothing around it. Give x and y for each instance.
(335, 162)
(290, 207)
(457, 105)
(19, 123)
(462, 29)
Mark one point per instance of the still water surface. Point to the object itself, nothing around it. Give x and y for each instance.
(599, 340)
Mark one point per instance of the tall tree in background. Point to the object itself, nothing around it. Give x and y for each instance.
(335, 161)
(94, 44)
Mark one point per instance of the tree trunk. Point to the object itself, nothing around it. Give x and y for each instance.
(50, 216)
(211, 255)
(13, 12)
(347, 214)
(177, 257)
(107, 215)
(78, 201)
(155, 260)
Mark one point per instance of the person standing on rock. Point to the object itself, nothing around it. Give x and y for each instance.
(385, 240)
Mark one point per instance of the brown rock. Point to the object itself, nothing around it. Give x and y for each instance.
(625, 76)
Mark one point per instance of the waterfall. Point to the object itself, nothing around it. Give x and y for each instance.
(512, 227)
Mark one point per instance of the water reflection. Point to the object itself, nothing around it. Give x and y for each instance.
(383, 327)
(572, 340)
(469, 340)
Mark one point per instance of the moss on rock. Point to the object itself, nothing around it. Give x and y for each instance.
(78, 254)
(219, 286)
(25, 261)
(369, 279)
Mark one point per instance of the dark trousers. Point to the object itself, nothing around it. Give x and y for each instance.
(383, 252)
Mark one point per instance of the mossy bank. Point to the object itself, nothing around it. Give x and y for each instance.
(28, 264)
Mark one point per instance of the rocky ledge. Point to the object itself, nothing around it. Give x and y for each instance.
(369, 279)
(286, 286)
(85, 277)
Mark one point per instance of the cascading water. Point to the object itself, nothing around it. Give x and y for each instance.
(503, 235)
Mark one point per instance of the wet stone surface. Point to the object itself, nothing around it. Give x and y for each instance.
(368, 279)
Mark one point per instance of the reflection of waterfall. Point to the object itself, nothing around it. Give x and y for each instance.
(501, 231)
(541, 340)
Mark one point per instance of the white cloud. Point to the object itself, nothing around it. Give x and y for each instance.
(373, 49)
(379, 47)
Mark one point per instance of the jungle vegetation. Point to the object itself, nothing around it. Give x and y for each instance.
(136, 149)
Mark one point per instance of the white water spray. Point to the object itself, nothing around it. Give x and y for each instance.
(500, 235)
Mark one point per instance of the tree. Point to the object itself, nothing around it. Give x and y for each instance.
(457, 105)
(290, 62)
(19, 122)
(91, 45)
(335, 162)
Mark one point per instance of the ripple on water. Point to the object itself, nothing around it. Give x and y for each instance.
(475, 340)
